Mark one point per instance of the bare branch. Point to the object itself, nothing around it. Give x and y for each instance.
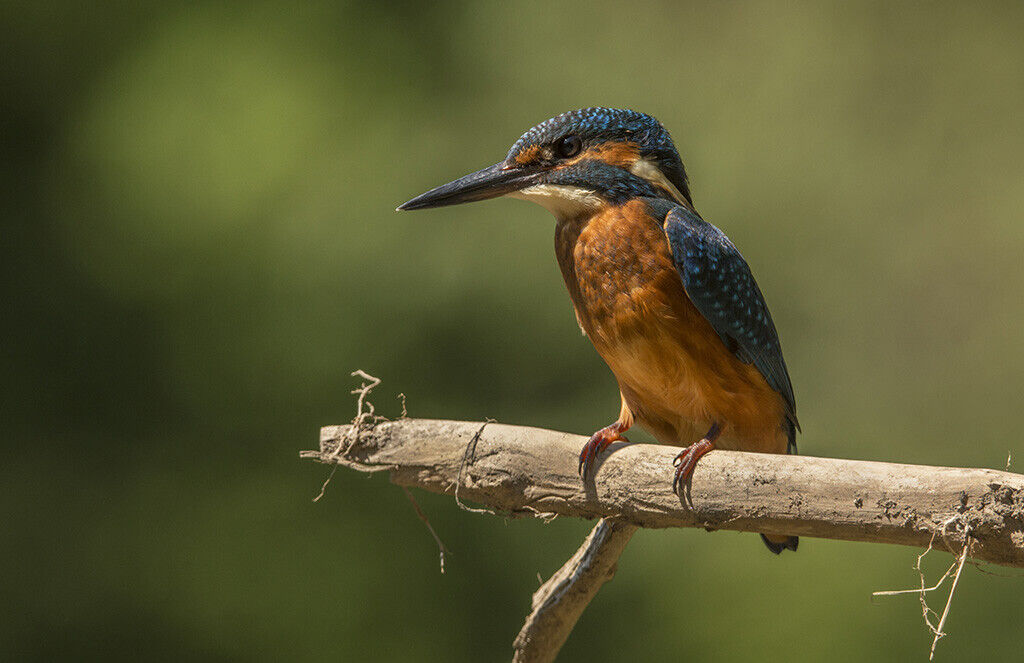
(522, 471)
(530, 471)
(559, 602)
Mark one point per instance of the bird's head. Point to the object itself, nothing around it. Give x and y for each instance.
(577, 162)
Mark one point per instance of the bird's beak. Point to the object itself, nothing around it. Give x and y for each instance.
(491, 182)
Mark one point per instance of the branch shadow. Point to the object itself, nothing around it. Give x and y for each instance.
(589, 481)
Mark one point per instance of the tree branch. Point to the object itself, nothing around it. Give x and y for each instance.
(531, 471)
(559, 602)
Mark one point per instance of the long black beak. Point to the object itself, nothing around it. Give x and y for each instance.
(491, 182)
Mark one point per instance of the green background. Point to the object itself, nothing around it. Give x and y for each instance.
(199, 247)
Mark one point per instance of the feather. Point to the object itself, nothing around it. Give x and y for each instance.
(719, 283)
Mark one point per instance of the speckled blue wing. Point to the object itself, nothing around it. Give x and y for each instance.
(718, 281)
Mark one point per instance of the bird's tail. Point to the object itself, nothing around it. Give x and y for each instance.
(779, 543)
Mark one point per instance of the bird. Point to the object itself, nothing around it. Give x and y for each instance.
(667, 300)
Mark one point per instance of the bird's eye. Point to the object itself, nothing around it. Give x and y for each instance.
(568, 146)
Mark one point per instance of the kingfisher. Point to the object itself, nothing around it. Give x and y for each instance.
(665, 297)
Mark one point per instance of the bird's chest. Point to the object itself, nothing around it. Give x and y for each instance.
(630, 302)
(620, 275)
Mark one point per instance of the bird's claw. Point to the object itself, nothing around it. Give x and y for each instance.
(598, 442)
(686, 462)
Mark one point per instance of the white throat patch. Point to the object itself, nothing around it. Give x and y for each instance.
(562, 200)
(647, 170)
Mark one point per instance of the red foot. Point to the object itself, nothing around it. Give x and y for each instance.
(599, 441)
(686, 461)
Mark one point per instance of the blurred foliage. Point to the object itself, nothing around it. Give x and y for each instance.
(199, 246)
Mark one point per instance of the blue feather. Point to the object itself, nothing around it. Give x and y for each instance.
(719, 283)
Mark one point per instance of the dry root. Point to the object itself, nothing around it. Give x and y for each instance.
(955, 569)
(365, 413)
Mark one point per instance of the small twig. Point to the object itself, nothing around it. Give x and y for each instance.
(352, 436)
(922, 589)
(364, 389)
(441, 549)
(405, 413)
(364, 411)
(942, 620)
(323, 488)
(361, 416)
(958, 565)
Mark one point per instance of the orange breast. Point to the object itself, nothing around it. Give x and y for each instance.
(675, 373)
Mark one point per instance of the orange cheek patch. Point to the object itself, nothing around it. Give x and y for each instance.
(529, 155)
(615, 154)
(623, 155)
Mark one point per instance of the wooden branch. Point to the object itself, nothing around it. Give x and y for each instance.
(531, 471)
(559, 602)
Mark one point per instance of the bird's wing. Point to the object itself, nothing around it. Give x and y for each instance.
(719, 283)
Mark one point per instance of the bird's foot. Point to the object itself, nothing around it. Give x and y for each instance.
(686, 461)
(599, 441)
